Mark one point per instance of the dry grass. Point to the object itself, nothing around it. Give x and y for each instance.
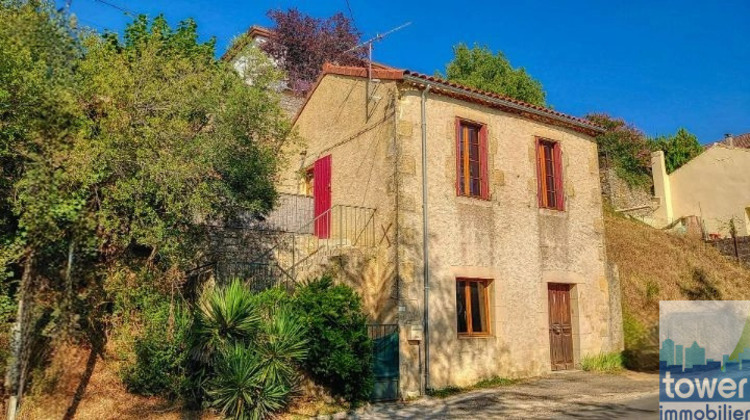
(656, 265)
(105, 397)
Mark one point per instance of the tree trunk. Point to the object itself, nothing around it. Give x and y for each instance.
(15, 376)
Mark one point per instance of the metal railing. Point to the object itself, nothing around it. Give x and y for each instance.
(338, 228)
(313, 243)
(292, 211)
(258, 276)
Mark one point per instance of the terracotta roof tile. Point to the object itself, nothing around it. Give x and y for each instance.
(741, 141)
(493, 95)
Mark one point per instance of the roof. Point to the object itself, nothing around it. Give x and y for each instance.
(255, 31)
(466, 93)
(743, 141)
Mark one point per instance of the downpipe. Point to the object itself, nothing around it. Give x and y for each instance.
(425, 246)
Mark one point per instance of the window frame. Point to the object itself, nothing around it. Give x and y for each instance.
(463, 189)
(558, 174)
(488, 309)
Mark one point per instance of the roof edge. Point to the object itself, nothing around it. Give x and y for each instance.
(502, 101)
(253, 31)
(383, 72)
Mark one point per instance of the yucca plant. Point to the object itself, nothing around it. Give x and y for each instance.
(239, 390)
(282, 345)
(226, 316)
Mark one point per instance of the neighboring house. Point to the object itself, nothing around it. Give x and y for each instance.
(741, 141)
(238, 57)
(488, 206)
(714, 187)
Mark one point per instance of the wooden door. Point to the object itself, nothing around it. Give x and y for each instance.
(560, 327)
(322, 196)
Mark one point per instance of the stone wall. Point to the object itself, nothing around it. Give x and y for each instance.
(635, 201)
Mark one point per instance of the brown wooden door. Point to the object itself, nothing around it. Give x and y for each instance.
(560, 327)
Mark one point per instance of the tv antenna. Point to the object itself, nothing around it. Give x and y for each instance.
(378, 37)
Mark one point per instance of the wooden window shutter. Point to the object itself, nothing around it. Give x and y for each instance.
(539, 172)
(484, 184)
(458, 156)
(559, 184)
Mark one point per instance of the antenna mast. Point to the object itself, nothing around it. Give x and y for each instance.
(368, 44)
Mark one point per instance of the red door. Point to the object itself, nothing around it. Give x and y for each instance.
(560, 327)
(322, 196)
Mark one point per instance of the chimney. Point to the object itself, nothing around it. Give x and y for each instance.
(729, 139)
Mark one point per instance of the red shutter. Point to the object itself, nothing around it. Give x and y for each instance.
(322, 196)
(559, 184)
(539, 180)
(484, 184)
(458, 156)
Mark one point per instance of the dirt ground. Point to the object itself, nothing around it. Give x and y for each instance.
(560, 395)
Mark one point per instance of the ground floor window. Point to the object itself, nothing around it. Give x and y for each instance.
(472, 306)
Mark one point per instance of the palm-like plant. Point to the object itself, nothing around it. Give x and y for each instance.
(239, 389)
(226, 316)
(282, 346)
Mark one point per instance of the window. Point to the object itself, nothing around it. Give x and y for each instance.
(308, 183)
(472, 307)
(471, 160)
(549, 175)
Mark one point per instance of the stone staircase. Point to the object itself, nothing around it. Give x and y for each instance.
(285, 249)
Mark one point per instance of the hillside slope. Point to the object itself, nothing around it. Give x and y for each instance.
(656, 265)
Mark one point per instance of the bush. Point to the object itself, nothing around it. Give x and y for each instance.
(161, 352)
(603, 362)
(340, 351)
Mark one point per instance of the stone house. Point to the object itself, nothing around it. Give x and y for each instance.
(714, 188)
(483, 216)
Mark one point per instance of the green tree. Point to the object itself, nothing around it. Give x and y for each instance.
(118, 153)
(38, 113)
(678, 149)
(478, 67)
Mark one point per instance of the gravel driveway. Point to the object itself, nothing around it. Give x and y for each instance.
(561, 395)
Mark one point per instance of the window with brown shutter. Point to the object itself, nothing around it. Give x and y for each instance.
(472, 307)
(549, 175)
(471, 160)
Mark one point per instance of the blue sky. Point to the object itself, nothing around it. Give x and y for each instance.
(659, 64)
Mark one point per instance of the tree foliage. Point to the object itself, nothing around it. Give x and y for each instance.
(117, 154)
(678, 148)
(478, 67)
(164, 138)
(302, 44)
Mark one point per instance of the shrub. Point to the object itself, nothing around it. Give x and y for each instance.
(603, 362)
(161, 352)
(340, 351)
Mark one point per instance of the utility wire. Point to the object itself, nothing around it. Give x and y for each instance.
(120, 8)
(351, 15)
